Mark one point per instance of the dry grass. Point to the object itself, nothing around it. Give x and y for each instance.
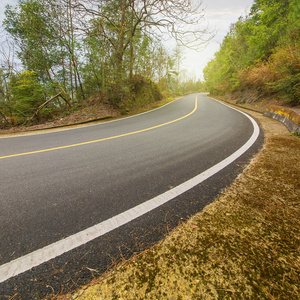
(278, 77)
(245, 245)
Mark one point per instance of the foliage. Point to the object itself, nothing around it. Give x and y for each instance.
(280, 75)
(134, 93)
(45, 37)
(29, 26)
(27, 92)
(261, 52)
(72, 50)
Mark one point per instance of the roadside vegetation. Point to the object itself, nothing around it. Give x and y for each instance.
(260, 56)
(61, 53)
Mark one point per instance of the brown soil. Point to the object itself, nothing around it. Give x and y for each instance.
(245, 245)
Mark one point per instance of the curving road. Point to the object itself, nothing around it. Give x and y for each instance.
(56, 185)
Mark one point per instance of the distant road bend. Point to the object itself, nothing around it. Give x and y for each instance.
(88, 192)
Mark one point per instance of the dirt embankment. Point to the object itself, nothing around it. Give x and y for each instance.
(135, 94)
(92, 111)
(89, 113)
(245, 245)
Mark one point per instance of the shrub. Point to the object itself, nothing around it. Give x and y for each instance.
(279, 76)
(28, 93)
(134, 93)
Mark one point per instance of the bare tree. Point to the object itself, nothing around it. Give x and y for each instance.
(7, 70)
(181, 19)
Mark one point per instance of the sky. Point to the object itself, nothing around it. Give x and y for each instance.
(219, 14)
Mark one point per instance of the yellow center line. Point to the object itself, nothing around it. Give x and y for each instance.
(104, 139)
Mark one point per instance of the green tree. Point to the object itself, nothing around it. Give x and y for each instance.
(252, 42)
(27, 93)
(121, 21)
(44, 33)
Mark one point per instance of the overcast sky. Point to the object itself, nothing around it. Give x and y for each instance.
(218, 13)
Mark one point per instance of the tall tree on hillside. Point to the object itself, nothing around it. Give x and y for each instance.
(44, 33)
(260, 53)
(122, 20)
(7, 71)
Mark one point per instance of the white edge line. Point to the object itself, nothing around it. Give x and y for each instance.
(56, 249)
(54, 130)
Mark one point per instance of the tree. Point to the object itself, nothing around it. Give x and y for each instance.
(122, 20)
(80, 47)
(261, 52)
(7, 71)
(43, 31)
(28, 93)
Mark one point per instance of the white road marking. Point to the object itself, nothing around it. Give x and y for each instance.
(27, 262)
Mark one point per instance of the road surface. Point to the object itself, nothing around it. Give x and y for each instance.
(85, 197)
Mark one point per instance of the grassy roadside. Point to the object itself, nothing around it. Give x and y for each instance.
(245, 245)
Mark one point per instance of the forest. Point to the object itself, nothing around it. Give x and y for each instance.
(260, 56)
(59, 53)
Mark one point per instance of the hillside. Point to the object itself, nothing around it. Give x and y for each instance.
(52, 63)
(259, 59)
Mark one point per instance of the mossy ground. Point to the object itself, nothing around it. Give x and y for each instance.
(245, 245)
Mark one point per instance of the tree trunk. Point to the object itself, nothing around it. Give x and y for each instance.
(120, 51)
(131, 41)
(43, 105)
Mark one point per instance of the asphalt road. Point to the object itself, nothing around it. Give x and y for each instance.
(54, 185)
